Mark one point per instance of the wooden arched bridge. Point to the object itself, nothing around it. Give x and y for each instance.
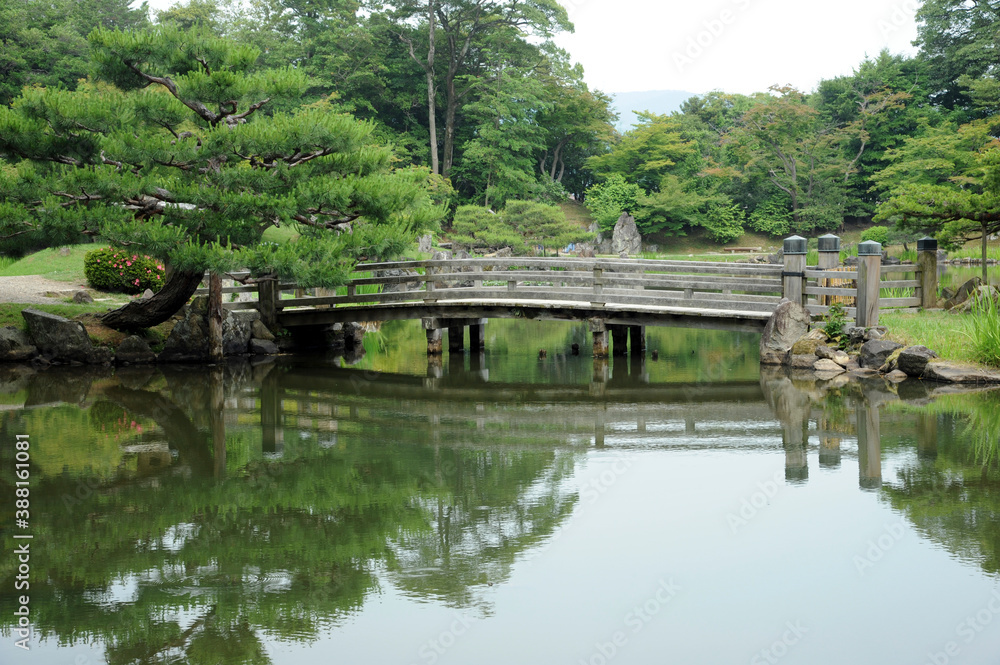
(620, 296)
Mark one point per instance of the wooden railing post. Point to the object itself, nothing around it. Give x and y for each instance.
(829, 258)
(267, 302)
(598, 298)
(869, 283)
(794, 275)
(927, 265)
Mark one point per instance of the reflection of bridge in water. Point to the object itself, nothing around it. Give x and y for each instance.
(466, 409)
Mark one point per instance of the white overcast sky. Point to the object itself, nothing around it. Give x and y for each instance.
(739, 46)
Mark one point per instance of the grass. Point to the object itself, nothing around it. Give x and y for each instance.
(10, 313)
(52, 264)
(974, 250)
(982, 327)
(577, 213)
(938, 330)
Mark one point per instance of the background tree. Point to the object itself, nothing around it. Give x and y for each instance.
(178, 161)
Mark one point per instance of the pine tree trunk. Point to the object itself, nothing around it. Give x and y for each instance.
(140, 314)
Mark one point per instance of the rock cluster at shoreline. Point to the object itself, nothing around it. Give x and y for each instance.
(788, 342)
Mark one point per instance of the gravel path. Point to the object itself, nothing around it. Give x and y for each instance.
(32, 289)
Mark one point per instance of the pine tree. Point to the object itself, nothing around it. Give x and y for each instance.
(173, 151)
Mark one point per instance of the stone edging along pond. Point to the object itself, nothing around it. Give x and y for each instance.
(787, 341)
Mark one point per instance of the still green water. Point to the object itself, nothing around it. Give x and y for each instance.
(500, 509)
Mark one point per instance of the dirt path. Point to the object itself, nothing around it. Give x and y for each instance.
(32, 289)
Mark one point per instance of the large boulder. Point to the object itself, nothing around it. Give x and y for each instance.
(63, 340)
(134, 351)
(237, 328)
(786, 326)
(15, 345)
(913, 360)
(963, 293)
(875, 352)
(188, 341)
(626, 238)
(425, 243)
(945, 372)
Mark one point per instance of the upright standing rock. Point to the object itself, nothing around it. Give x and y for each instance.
(789, 322)
(626, 237)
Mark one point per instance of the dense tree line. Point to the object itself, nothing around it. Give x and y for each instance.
(476, 93)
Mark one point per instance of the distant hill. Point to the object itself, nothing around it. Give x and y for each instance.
(657, 101)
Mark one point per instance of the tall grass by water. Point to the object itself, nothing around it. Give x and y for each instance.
(982, 326)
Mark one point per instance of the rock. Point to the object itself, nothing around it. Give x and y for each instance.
(851, 261)
(826, 352)
(425, 243)
(441, 256)
(586, 252)
(263, 347)
(913, 360)
(875, 352)
(946, 372)
(827, 365)
(786, 326)
(134, 351)
(259, 331)
(64, 251)
(802, 361)
(897, 376)
(626, 236)
(15, 345)
(891, 260)
(981, 294)
(398, 287)
(855, 334)
(841, 359)
(63, 340)
(502, 253)
(890, 363)
(809, 343)
(237, 327)
(147, 294)
(774, 259)
(876, 332)
(963, 293)
(188, 341)
(82, 297)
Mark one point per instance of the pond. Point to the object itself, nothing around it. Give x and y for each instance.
(500, 508)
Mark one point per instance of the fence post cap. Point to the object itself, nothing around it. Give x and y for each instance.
(829, 243)
(870, 248)
(795, 245)
(927, 244)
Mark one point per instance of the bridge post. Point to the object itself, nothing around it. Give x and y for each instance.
(619, 335)
(869, 282)
(434, 336)
(869, 446)
(637, 338)
(927, 265)
(456, 338)
(600, 331)
(794, 276)
(267, 303)
(477, 337)
(829, 258)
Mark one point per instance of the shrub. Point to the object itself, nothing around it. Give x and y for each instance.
(477, 227)
(117, 270)
(724, 223)
(543, 225)
(983, 328)
(773, 217)
(879, 234)
(608, 200)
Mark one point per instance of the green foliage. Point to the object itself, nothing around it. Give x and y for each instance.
(475, 227)
(836, 322)
(543, 225)
(983, 328)
(724, 223)
(120, 271)
(879, 234)
(773, 217)
(609, 199)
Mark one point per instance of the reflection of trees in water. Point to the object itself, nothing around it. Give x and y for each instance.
(194, 564)
(951, 492)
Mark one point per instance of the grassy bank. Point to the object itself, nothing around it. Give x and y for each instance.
(62, 264)
(10, 313)
(943, 332)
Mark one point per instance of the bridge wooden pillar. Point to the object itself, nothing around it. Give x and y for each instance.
(793, 277)
(869, 283)
(620, 336)
(600, 332)
(637, 339)
(869, 446)
(456, 338)
(267, 303)
(927, 264)
(477, 337)
(434, 341)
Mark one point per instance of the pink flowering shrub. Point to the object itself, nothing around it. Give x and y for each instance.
(113, 269)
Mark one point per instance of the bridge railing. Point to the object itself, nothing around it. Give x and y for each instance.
(596, 282)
